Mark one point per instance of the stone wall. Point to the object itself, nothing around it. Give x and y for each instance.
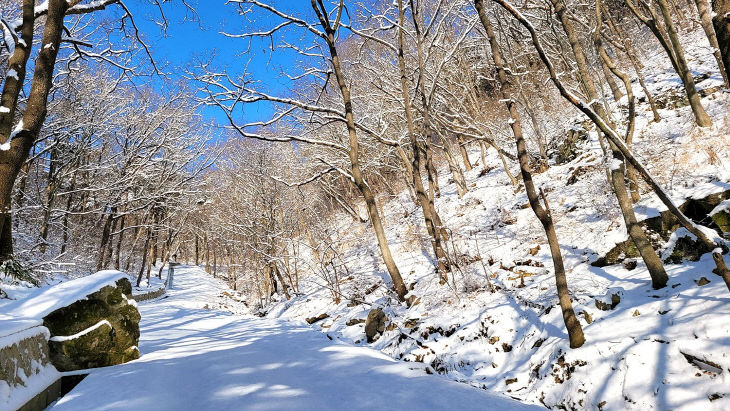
(151, 295)
(28, 380)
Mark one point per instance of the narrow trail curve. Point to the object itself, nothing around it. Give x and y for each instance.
(195, 358)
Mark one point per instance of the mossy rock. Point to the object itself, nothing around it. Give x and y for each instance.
(722, 220)
(687, 248)
(97, 348)
(106, 345)
(663, 225)
(375, 324)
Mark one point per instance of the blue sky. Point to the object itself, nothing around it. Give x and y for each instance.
(186, 41)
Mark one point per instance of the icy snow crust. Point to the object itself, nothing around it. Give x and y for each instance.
(196, 358)
(643, 355)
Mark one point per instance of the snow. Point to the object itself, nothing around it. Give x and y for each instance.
(635, 357)
(198, 358)
(4, 110)
(12, 74)
(17, 130)
(12, 398)
(58, 338)
(46, 300)
(19, 335)
(11, 325)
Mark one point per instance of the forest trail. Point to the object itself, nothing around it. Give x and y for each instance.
(197, 358)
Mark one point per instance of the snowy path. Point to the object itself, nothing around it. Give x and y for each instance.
(200, 359)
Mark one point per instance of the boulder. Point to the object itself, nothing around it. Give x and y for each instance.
(354, 321)
(312, 320)
(610, 300)
(375, 324)
(98, 331)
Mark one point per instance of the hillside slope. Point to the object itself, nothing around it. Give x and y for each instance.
(657, 349)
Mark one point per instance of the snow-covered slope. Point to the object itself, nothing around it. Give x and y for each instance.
(196, 357)
(666, 349)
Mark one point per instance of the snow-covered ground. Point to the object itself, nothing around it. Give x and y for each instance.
(196, 355)
(655, 350)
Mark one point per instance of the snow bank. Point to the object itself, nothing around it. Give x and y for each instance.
(47, 300)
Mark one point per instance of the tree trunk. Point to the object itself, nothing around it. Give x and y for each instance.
(464, 154)
(284, 288)
(653, 263)
(616, 167)
(354, 153)
(50, 198)
(197, 250)
(120, 239)
(105, 233)
(539, 136)
(456, 172)
(427, 207)
(144, 257)
(674, 50)
(721, 267)
(20, 143)
(703, 8)
(575, 331)
(615, 90)
(721, 22)
(631, 54)
(11, 160)
(110, 243)
(65, 222)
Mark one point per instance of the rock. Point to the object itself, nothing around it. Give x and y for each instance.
(722, 220)
(587, 316)
(609, 302)
(686, 247)
(354, 321)
(630, 264)
(493, 340)
(98, 331)
(411, 323)
(412, 300)
(312, 320)
(636, 313)
(569, 149)
(375, 324)
(509, 381)
(506, 347)
(703, 281)
(660, 229)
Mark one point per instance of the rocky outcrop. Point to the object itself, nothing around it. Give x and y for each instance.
(98, 331)
(375, 324)
(662, 227)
